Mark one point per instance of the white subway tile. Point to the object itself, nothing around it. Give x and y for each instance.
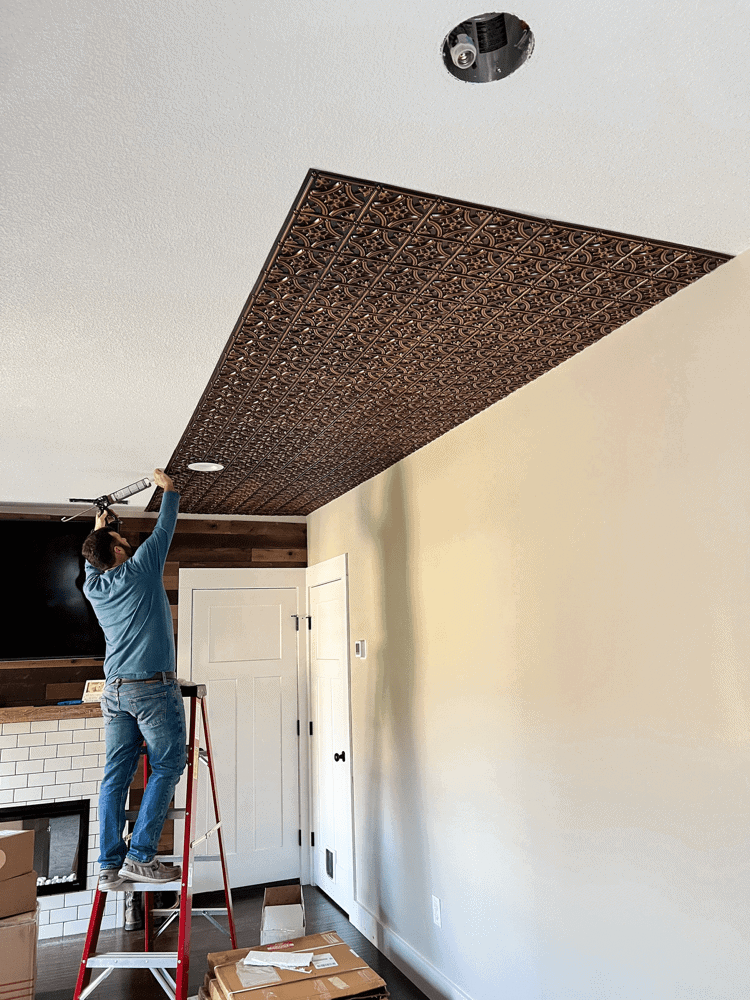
(40, 753)
(67, 913)
(43, 917)
(31, 739)
(81, 735)
(67, 750)
(37, 780)
(9, 767)
(95, 722)
(53, 738)
(78, 898)
(69, 776)
(110, 923)
(6, 795)
(18, 753)
(9, 728)
(27, 795)
(47, 726)
(76, 927)
(55, 792)
(99, 747)
(93, 774)
(85, 760)
(55, 902)
(57, 764)
(50, 931)
(8, 742)
(102, 759)
(81, 789)
(69, 724)
(14, 781)
(29, 766)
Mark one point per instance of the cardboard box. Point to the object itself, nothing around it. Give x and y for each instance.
(341, 973)
(18, 895)
(283, 914)
(16, 853)
(18, 936)
(313, 942)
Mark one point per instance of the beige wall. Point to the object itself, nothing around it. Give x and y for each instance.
(550, 730)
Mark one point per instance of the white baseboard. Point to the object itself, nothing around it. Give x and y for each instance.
(414, 966)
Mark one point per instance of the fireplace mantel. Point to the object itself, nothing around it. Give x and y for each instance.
(42, 713)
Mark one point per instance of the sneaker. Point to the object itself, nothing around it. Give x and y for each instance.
(133, 910)
(109, 879)
(149, 871)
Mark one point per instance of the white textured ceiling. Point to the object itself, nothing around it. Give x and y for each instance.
(153, 150)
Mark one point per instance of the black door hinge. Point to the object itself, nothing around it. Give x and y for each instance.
(300, 837)
(297, 727)
(311, 729)
(312, 839)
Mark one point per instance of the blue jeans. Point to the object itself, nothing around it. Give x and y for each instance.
(134, 712)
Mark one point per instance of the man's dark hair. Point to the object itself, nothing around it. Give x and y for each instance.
(99, 549)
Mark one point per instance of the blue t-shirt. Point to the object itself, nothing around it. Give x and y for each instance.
(132, 606)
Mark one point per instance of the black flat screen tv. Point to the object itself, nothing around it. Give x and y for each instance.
(45, 614)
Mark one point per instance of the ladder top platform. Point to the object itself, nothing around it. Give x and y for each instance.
(190, 689)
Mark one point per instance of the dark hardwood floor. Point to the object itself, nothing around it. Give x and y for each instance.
(58, 958)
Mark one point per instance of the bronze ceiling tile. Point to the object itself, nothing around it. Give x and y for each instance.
(383, 318)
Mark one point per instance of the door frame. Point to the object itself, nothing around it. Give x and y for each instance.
(191, 580)
(328, 571)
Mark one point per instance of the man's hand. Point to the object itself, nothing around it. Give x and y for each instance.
(101, 520)
(163, 480)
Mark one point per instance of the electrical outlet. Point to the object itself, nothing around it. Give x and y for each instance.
(436, 911)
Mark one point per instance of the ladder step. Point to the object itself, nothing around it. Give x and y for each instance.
(133, 960)
(132, 814)
(197, 911)
(196, 857)
(174, 886)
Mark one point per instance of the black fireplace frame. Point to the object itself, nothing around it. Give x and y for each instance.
(69, 807)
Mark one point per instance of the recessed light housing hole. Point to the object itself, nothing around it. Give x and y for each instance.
(487, 47)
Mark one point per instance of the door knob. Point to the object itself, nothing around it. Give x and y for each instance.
(339, 756)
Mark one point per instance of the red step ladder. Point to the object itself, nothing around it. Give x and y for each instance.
(158, 962)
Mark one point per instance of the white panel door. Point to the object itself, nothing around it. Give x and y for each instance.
(330, 752)
(244, 648)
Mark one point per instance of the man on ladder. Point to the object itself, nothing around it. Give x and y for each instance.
(141, 698)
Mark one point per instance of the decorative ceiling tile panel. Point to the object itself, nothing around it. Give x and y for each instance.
(384, 318)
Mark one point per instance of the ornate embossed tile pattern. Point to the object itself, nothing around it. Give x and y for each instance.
(382, 319)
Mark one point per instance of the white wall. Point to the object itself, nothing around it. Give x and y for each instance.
(550, 730)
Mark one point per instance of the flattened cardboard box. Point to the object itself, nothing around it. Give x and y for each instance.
(16, 853)
(18, 955)
(313, 942)
(347, 975)
(18, 895)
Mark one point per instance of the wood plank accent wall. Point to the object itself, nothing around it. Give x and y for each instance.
(197, 543)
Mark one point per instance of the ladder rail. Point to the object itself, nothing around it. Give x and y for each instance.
(217, 817)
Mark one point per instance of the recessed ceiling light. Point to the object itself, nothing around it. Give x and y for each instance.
(487, 47)
(206, 466)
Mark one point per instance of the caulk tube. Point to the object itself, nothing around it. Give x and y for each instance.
(128, 491)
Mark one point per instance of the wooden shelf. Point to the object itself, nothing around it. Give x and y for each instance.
(43, 713)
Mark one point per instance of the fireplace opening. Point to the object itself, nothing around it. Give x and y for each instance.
(61, 842)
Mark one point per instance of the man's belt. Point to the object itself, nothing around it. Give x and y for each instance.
(165, 675)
